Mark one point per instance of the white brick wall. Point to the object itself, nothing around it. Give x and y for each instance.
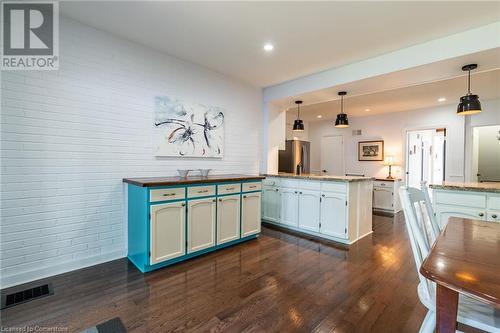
(68, 137)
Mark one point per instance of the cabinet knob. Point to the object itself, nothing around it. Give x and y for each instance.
(300, 192)
(494, 216)
(183, 204)
(323, 195)
(481, 214)
(244, 196)
(220, 200)
(214, 200)
(277, 190)
(295, 192)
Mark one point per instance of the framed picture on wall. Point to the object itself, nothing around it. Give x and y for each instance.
(371, 150)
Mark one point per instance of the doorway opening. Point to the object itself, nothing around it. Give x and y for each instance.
(425, 156)
(486, 154)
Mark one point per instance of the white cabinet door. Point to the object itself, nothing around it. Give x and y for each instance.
(333, 215)
(167, 238)
(383, 198)
(228, 218)
(443, 213)
(289, 207)
(250, 214)
(270, 203)
(201, 224)
(309, 207)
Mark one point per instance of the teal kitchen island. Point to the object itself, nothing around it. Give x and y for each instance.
(171, 219)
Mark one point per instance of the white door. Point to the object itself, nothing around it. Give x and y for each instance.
(332, 155)
(250, 214)
(201, 224)
(168, 223)
(289, 207)
(309, 207)
(333, 215)
(270, 203)
(228, 218)
(383, 198)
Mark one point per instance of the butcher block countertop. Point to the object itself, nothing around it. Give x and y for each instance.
(473, 187)
(320, 177)
(176, 180)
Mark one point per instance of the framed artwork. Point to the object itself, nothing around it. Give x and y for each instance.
(184, 129)
(371, 150)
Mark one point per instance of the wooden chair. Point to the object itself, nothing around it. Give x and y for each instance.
(470, 311)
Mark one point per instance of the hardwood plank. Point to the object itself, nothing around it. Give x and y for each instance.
(280, 282)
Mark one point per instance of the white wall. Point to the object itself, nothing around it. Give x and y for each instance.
(391, 127)
(69, 137)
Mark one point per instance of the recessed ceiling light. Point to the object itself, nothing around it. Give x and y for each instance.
(441, 99)
(268, 47)
(319, 116)
(367, 110)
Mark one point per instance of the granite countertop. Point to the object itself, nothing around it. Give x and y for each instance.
(176, 180)
(476, 187)
(319, 177)
(387, 180)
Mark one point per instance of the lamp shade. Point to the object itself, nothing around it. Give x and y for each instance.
(389, 160)
(469, 104)
(341, 121)
(298, 125)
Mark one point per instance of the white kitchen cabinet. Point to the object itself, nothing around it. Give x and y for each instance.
(201, 222)
(309, 210)
(386, 195)
(465, 203)
(289, 206)
(333, 214)
(228, 218)
(167, 231)
(270, 203)
(250, 214)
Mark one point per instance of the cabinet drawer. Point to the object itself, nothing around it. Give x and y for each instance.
(254, 186)
(333, 187)
(494, 201)
(379, 183)
(229, 188)
(460, 198)
(309, 185)
(270, 182)
(167, 194)
(201, 191)
(289, 183)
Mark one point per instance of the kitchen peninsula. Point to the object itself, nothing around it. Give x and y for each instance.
(332, 207)
(480, 201)
(171, 219)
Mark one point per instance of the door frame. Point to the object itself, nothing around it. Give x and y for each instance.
(343, 152)
(405, 146)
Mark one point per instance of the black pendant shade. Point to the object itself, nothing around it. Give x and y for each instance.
(298, 124)
(342, 121)
(469, 104)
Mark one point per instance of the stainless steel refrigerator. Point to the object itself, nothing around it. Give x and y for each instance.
(295, 158)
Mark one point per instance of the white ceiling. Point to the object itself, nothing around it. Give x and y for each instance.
(485, 84)
(308, 36)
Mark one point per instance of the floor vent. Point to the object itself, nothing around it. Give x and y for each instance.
(27, 295)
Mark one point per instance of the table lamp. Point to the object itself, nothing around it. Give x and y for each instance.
(389, 161)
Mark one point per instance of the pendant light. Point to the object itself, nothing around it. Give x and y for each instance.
(298, 124)
(469, 104)
(342, 121)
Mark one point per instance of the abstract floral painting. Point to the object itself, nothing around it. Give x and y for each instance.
(188, 129)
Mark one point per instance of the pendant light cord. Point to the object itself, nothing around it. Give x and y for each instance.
(298, 111)
(342, 104)
(468, 84)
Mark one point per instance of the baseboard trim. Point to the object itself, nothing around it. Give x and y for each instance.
(25, 277)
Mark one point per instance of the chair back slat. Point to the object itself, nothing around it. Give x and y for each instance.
(412, 201)
(428, 204)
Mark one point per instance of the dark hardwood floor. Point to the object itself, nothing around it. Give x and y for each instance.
(277, 283)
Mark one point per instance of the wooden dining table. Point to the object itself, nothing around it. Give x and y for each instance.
(465, 259)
